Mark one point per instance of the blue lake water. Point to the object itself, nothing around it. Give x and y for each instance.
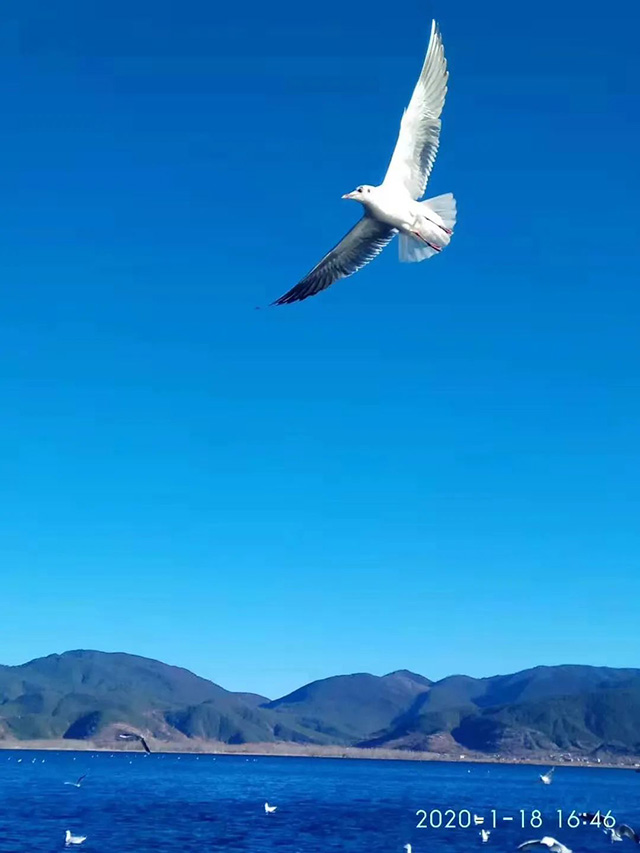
(130, 801)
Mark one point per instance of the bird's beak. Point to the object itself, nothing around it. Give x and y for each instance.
(349, 195)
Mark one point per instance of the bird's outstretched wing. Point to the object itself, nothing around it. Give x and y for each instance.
(367, 238)
(133, 736)
(529, 845)
(419, 137)
(625, 830)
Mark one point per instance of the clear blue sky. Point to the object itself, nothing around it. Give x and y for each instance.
(423, 466)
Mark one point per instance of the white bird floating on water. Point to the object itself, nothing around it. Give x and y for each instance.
(78, 783)
(547, 778)
(425, 227)
(70, 839)
(546, 843)
(269, 809)
(484, 834)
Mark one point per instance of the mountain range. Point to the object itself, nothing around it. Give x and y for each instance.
(87, 695)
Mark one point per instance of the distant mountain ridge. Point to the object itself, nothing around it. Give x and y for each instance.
(88, 694)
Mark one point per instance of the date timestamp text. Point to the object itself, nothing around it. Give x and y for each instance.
(524, 818)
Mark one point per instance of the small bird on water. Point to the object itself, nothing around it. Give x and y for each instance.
(425, 227)
(269, 809)
(70, 839)
(547, 778)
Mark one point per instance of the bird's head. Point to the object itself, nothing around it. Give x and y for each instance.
(361, 194)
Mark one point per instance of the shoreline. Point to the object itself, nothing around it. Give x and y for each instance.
(290, 750)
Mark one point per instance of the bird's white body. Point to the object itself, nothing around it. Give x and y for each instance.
(417, 220)
(398, 210)
(269, 809)
(484, 834)
(73, 839)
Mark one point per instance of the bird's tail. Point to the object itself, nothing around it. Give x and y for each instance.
(440, 215)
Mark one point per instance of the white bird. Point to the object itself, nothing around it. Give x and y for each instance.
(484, 834)
(78, 783)
(269, 809)
(407, 847)
(70, 839)
(425, 227)
(546, 843)
(547, 778)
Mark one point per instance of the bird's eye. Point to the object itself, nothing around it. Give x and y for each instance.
(359, 190)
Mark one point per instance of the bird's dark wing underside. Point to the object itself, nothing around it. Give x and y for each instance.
(132, 736)
(367, 238)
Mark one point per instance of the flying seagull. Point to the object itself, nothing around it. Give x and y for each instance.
(70, 839)
(133, 736)
(613, 833)
(623, 830)
(269, 809)
(618, 831)
(484, 834)
(547, 778)
(77, 784)
(546, 843)
(425, 227)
